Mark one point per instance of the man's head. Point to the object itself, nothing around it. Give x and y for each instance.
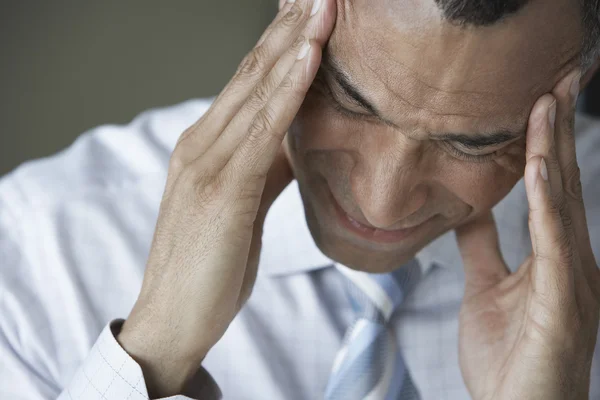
(416, 121)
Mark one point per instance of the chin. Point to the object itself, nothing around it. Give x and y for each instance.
(361, 260)
(356, 253)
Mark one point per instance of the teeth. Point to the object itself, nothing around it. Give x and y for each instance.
(358, 224)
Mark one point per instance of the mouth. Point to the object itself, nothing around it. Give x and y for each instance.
(370, 233)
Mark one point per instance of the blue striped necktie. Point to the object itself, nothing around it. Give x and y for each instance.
(369, 365)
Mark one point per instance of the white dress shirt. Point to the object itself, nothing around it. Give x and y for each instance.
(75, 232)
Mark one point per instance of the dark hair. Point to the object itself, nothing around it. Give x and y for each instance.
(488, 12)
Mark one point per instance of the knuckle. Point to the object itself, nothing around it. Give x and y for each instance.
(250, 192)
(293, 88)
(548, 320)
(267, 118)
(560, 245)
(176, 162)
(209, 188)
(189, 131)
(544, 258)
(246, 195)
(298, 43)
(246, 65)
(557, 203)
(567, 221)
(568, 124)
(262, 123)
(552, 164)
(293, 16)
(189, 175)
(560, 210)
(289, 84)
(572, 184)
(565, 250)
(254, 63)
(554, 208)
(188, 180)
(261, 94)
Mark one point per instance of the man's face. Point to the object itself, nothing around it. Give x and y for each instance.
(415, 125)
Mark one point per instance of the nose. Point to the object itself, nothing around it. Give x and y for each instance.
(388, 189)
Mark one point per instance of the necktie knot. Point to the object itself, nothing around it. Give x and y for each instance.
(376, 296)
(369, 365)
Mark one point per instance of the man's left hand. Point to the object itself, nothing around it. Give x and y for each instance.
(531, 334)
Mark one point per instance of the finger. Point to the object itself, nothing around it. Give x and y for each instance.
(541, 143)
(278, 178)
(318, 18)
(320, 23)
(566, 92)
(554, 255)
(284, 7)
(480, 250)
(550, 222)
(259, 144)
(318, 29)
(226, 143)
(255, 66)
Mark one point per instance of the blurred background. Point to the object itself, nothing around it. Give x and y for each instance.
(67, 66)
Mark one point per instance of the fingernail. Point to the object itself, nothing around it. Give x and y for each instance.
(575, 87)
(552, 113)
(304, 50)
(543, 170)
(291, 1)
(316, 6)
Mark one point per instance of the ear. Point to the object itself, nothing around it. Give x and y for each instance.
(589, 74)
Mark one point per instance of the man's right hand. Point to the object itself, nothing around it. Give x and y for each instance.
(225, 172)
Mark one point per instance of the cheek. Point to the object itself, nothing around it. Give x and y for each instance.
(316, 126)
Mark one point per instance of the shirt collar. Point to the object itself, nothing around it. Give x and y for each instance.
(289, 248)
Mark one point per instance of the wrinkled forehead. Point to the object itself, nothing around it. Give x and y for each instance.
(403, 53)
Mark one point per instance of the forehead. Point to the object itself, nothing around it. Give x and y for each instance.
(408, 61)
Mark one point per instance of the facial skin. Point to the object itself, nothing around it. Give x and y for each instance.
(440, 138)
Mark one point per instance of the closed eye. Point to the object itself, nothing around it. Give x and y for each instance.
(477, 148)
(480, 142)
(469, 157)
(325, 89)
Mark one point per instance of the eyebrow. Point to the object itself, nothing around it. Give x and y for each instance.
(472, 141)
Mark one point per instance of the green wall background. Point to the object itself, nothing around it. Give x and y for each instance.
(67, 66)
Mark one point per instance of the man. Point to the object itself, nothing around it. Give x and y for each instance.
(416, 120)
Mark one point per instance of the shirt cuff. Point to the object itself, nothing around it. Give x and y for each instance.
(110, 373)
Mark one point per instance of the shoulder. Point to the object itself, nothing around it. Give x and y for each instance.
(103, 164)
(104, 156)
(75, 230)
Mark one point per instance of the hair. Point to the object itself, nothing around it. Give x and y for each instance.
(488, 12)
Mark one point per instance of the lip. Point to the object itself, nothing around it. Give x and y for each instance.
(371, 234)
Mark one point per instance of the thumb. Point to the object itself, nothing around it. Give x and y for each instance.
(480, 251)
(278, 177)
